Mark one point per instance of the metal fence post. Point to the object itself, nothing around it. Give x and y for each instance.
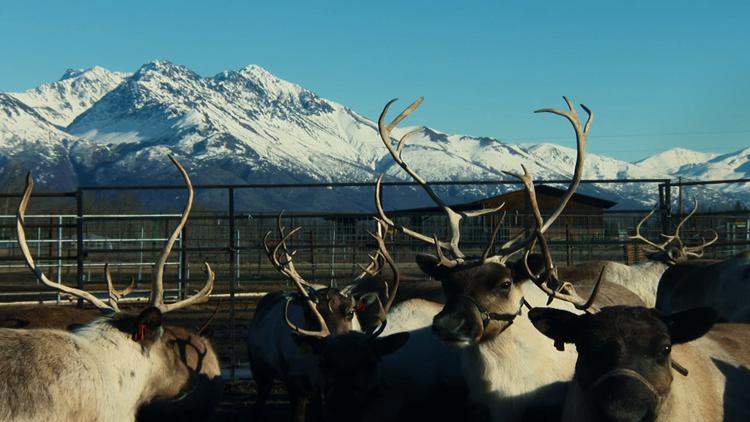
(79, 242)
(59, 255)
(183, 263)
(666, 207)
(232, 283)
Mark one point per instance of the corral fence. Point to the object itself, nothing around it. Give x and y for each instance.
(73, 248)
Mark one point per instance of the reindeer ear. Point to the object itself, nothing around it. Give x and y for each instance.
(430, 265)
(389, 344)
(148, 327)
(561, 326)
(370, 312)
(689, 325)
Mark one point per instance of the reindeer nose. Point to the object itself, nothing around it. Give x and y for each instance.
(623, 398)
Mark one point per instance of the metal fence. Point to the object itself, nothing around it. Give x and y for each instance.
(73, 247)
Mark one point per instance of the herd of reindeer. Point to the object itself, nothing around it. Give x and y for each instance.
(505, 336)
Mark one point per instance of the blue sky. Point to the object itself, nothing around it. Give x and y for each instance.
(658, 74)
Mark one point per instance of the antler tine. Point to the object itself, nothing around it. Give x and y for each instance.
(383, 250)
(637, 236)
(300, 284)
(375, 265)
(113, 294)
(403, 229)
(287, 255)
(521, 240)
(581, 137)
(676, 235)
(372, 269)
(157, 288)
(202, 296)
(552, 285)
(573, 298)
(323, 332)
(287, 267)
(495, 231)
(210, 319)
(26, 252)
(697, 251)
(385, 135)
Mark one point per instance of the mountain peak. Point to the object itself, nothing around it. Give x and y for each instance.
(164, 68)
(91, 72)
(254, 69)
(672, 160)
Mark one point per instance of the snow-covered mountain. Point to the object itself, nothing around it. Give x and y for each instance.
(670, 161)
(62, 101)
(248, 126)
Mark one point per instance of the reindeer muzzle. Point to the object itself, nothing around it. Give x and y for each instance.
(625, 395)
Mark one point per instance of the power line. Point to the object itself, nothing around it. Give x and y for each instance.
(635, 135)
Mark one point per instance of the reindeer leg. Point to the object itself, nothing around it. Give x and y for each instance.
(298, 398)
(263, 383)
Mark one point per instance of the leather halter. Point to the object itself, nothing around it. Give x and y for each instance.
(488, 316)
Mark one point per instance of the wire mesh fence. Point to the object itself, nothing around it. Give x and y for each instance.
(73, 247)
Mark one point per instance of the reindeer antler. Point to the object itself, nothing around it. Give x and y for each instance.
(114, 295)
(454, 217)
(582, 132)
(288, 270)
(379, 237)
(26, 252)
(541, 226)
(157, 288)
(680, 246)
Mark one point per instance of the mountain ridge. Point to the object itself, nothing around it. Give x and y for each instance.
(249, 126)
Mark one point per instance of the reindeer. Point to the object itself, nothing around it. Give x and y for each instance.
(104, 370)
(722, 285)
(644, 278)
(503, 358)
(625, 355)
(195, 403)
(687, 280)
(272, 351)
(692, 281)
(392, 369)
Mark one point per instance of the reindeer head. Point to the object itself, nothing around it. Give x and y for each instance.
(482, 295)
(180, 357)
(335, 309)
(351, 370)
(624, 355)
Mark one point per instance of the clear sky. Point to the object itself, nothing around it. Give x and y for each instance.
(658, 74)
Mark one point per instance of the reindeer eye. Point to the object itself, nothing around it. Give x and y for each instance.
(505, 284)
(665, 351)
(350, 314)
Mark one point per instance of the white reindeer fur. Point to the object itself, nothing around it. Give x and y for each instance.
(641, 278)
(96, 374)
(519, 366)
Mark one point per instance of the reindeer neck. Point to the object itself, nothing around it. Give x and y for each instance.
(697, 396)
(516, 367)
(130, 372)
(645, 281)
